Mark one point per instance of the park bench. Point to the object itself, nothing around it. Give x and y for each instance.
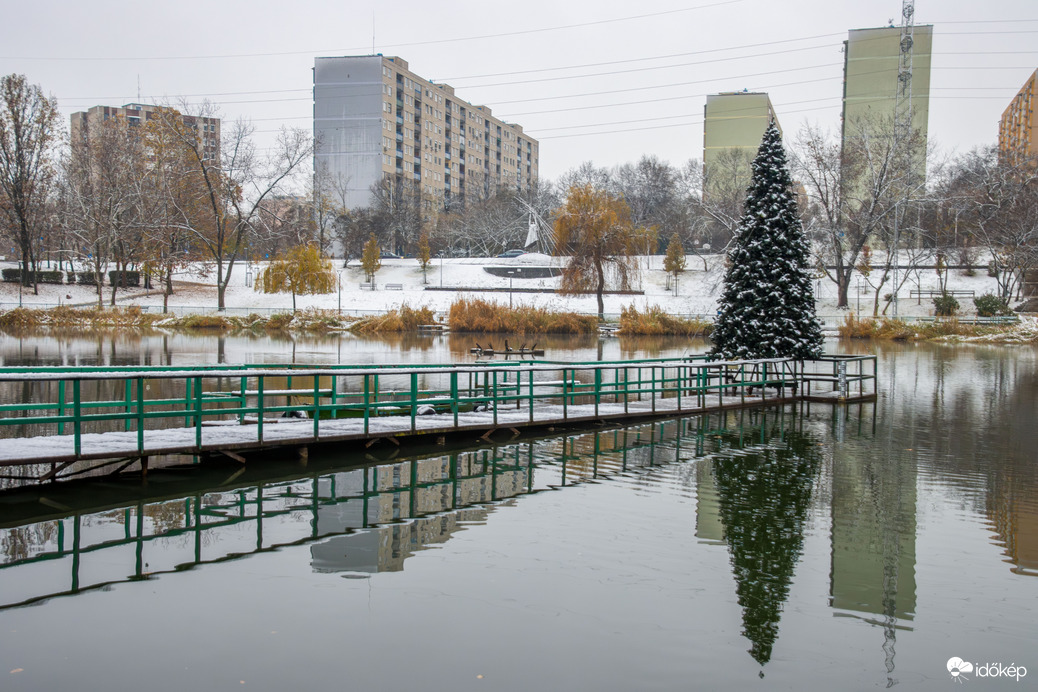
(367, 287)
(394, 287)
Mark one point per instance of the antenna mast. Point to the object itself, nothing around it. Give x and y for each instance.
(903, 125)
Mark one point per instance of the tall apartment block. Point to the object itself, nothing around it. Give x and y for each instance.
(871, 78)
(137, 113)
(374, 119)
(1016, 129)
(734, 122)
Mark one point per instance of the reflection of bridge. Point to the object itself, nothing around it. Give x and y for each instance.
(68, 421)
(361, 520)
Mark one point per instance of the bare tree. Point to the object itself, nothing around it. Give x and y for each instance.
(856, 192)
(100, 198)
(236, 185)
(28, 133)
(1002, 212)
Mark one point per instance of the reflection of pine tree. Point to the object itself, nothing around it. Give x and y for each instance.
(764, 496)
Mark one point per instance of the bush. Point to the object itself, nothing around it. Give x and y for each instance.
(990, 305)
(945, 305)
(86, 278)
(52, 276)
(279, 321)
(217, 322)
(124, 279)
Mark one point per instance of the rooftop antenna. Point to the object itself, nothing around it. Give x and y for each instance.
(372, 32)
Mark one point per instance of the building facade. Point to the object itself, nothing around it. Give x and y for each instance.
(137, 113)
(733, 126)
(1016, 129)
(375, 120)
(872, 78)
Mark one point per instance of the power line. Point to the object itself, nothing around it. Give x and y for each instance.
(391, 45)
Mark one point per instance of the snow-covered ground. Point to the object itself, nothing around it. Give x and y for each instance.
(696, 295)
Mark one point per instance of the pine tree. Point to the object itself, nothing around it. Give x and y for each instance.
(767, 307)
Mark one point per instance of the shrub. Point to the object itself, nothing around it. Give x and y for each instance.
(86, 278)
(51, 276)
(990, 305)
(945, 305)
(124, 279)
(216, 322)
(656, 322)
(279, 321)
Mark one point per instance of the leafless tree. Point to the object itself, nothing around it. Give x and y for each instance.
(28, 134)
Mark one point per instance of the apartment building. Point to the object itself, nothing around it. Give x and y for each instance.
(135, 114)
(375, 119)
(872, 78)
(733, 126)
(1016, 129)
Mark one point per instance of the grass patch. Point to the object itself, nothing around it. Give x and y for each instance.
(66, 317)
(481, 316)
(656, 322)
(406, 319)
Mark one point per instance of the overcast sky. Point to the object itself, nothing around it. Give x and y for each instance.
(567, 71)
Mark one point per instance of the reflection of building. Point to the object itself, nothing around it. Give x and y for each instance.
(733, 126)
(709, 528)
(873, 538)
(1016, 129)
(83, 123)
(439, 505)
(374, 119)
(872, 66)
(1013, 513)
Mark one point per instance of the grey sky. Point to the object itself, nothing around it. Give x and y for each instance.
(93, 53)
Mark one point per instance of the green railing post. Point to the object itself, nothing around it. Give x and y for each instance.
(317, 406)
(198, 412)
(243, 387)
(495, 396)
(414, 399)
(77, 419)
(565, 399)
(454, 396)
(367, 410)
(140, 415)
(598, 388)
(530, 376)
(259, 408)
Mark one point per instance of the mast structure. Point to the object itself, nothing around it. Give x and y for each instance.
(903, 127)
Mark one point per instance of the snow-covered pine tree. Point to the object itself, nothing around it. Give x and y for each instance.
(767, 307)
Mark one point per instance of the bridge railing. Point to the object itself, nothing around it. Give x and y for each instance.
(80, 401)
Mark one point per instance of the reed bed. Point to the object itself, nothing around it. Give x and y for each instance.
(406, 319)
(655, 321)
(481, 316)
(897, 330)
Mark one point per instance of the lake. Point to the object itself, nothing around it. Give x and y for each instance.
(813, 547)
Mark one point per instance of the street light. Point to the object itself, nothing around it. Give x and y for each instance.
(339, 275)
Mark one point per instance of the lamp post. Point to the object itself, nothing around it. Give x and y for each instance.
(339, 275)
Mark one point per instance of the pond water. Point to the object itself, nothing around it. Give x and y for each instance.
(805, 547)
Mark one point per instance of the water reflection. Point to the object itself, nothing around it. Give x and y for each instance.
(371, 519)
(764, 491)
